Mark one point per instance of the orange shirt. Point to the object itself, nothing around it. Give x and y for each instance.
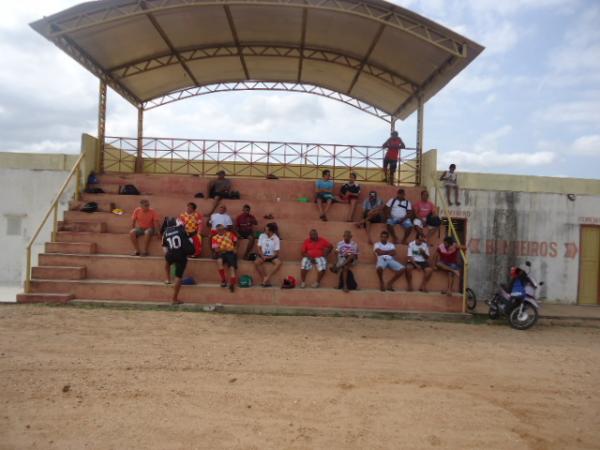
(224, 242)
(145, 219)
(192, 222)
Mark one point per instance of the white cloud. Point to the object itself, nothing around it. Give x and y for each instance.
(493, 160)
(587, 145)
(571, 112)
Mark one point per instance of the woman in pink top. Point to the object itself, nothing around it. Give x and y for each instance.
(447, 261)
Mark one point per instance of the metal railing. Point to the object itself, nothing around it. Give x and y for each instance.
(253, 158)
(463, 253)
(76, 170)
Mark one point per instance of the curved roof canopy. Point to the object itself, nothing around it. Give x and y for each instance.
(369, 50)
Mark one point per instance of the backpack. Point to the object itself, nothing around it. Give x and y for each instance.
(245, 281)
(352, 286)
(199, 195)
(433, 221)
(92, 179)
(129, 189)
(90, 207)
(288, 283)
(234, 195)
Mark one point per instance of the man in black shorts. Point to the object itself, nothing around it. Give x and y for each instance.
(219, 189)
(244, 227)
(224, 247)
(177, 246)
(418, 259)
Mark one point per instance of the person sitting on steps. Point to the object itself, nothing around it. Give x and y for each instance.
(220, 218)
(450, 179)
(426, 216)
(399, 212)
(347, 255)
(218, 189)
(192, 221)
(373, 212)
(315, 251)
(385, 252)
(245, 223)
(349, 193)
(324, 194)
(418, 259)
(144, 222)
(268, 252)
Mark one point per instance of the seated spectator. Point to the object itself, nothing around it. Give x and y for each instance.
(218, 189)
(224, 247)
(373, 212)
(399, 210)
(176, 245)
(447, 261)
(324, 194)
(144, 222)
(385, 252)
(268, 252)
(418, 259)
(192, 221)
(347, 255)
(392, 156)
(221, 218)
(349, 193)
(450, 179)
(426, 216)
(315, 251)
(245, 223)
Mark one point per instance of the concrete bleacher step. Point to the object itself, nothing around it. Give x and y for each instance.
(137, 291)
(119, 244)
(250, 188)
(91, 226)
(116, 267)
(84, 248)
(59, 272)
(44, 297)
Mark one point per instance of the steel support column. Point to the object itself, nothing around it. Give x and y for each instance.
(101, 127)
(392, 124)
(419, 165)
(139, 161)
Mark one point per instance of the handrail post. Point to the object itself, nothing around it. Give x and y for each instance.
(28, 271)
(78, 186)
(55, 221)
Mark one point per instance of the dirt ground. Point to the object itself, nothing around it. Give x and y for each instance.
(75, 378)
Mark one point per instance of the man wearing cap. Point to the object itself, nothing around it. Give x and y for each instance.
(218, 189)
(372, 213)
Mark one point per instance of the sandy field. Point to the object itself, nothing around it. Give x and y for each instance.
(74, 378)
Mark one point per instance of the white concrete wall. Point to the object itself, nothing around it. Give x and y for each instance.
(27, 193)
(508, 228)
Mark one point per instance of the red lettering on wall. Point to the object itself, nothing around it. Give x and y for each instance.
(490, 247)
(533, 249)
(553, 249)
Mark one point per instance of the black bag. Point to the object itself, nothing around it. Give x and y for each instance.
(352, 286)
(433, 221)
(199, 195)
(92, 179)
(129, 189)
(90, 207)
(235, 195)
(94, 190)
(188, 246)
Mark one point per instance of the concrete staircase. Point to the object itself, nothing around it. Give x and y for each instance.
(90, 258)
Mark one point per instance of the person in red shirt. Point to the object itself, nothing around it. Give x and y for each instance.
(426, 216)
(392, 156)
(144, 222)
(192, 221)
(244, 226)
(315, 251)
(447, 260)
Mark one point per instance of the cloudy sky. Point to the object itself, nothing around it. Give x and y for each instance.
(529, 104)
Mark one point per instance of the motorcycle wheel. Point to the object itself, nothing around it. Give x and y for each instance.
(471, 299)
(522, 318)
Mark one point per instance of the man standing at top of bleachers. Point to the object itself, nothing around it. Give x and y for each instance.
(144, 222)
(390, 160)
(218, 189)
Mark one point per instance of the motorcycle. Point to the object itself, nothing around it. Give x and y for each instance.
(519, 302)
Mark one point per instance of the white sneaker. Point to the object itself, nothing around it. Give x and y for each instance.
(315, 285)
(303, 285)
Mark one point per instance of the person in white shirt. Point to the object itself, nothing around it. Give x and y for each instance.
(347, 254)
(268, 252)
(418, 259)
(399, 212)
(385, 252)
(221, 218)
